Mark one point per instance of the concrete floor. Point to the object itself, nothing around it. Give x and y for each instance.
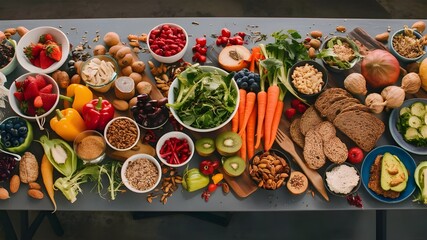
(288, 225)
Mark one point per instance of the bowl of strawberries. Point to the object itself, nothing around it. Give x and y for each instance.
(34, 96)
(43, 50)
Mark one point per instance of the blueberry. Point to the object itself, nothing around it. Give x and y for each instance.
(255, 87)
(17, 125)
(1, 127)
(22, 130)
(14, 132)
(257, 78)
(245, 79)
(251, 75)
(21, 140)
(251, 81)
(7, 137)
(244, 85)
(245, 70)
(239, 81)
(15, 142)
(7, 144)
(238, 75)
(8, 126)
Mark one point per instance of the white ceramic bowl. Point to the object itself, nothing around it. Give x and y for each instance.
(15, 104)
(121, 149)
(133, 158)
(13, 63)
(173, 58)
(179, 135)
(171, 99)
(33, 37)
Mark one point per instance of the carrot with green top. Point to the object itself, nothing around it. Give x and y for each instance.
(256, 55)
(250, 131)
(276, 119)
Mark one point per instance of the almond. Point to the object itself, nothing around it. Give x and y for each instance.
(4, 194)
(315, 43)
(15, 182)
(382, 37)
(316, 34)
(341, 29)
(36, 194)
(34, 185)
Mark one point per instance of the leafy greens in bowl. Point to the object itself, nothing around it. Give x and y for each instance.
(203, 98)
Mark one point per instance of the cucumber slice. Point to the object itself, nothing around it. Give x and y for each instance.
(404, 110)
(414, 122)
(412, 134)
(425, 118)
(423, 131)
(418, 109)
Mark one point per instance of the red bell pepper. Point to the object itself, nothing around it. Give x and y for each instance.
(97, 113)
(208, 167)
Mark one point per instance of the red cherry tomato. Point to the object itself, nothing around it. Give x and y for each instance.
(201, 41)
(212, 187)
(225, 32)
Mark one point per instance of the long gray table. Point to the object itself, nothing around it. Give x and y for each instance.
(261, 200)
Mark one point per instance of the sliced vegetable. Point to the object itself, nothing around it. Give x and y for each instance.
(420, 176)
(194, 180)
(54, 150)
(412, 124)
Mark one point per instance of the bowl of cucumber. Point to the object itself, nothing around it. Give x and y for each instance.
(408, 125)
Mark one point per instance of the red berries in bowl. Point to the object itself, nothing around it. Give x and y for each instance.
(167, 42)
(33, 95)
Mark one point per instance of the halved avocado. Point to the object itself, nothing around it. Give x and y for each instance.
(394, 174)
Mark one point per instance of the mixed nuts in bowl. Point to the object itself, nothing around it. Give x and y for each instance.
(121, 133)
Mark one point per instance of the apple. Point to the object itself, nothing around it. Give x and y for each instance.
(355, 155)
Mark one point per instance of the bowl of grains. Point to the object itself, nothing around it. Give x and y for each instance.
(121, 133)
(407, 45)
(308, 78)
(90, 146)
(141, 173)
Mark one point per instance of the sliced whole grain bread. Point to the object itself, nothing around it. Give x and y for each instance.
(309, 119)
(336, 107)
(335, 150)
(361, 127)
(313, 150)
(327, 130)
(295, 132)
(328, 97)
(357, 106)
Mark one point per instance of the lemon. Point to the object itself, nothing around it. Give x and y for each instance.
(423, 74)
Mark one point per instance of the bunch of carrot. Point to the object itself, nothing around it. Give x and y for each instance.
(259, 114)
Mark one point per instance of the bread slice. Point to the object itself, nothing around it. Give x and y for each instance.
(295, 132)
(336, 107)
(326, 130)
(335, 150)
(309, 119)
(313, 150)
(361, 127)
(328, 97)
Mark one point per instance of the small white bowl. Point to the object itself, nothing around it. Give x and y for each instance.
(179, 135)
(171, 99)
(33, 37)
(133, 158)
(14, 102)
(121, 149)
(104, 87)
(173, 58)
(13, 63)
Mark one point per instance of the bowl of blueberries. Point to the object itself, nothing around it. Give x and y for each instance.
(16, 134)
(248, 80)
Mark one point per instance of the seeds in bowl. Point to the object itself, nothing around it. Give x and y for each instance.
(142, 174)
(122, 133)
(307, 79)
(408, 45)
(342, 179)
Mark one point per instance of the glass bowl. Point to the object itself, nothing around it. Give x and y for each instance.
(90, 146)
(101, 83)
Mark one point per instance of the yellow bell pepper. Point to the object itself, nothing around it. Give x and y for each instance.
(67, 123)
(77, 95)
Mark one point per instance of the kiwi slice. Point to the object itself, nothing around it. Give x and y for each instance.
(234, 166)
(205, 146)
(228, 143)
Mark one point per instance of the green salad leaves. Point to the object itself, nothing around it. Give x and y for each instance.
(204, 99)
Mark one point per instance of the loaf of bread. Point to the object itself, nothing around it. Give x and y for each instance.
(313, 150)
(361, 127)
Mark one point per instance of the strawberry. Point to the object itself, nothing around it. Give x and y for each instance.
(38, 102)
(295, 102)
(53, 51)
(301, 108)
(41, 82)
(47, 89)
(31, 91)
(49, 100)
(33, 50)
(45, 61)
(290, 113)
(19, 96)
(18, 84)
(45, 38)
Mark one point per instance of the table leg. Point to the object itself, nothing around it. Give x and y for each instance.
(31, 230)
(381, 224)
(10, 233)
(24, 222)
(55, 224)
